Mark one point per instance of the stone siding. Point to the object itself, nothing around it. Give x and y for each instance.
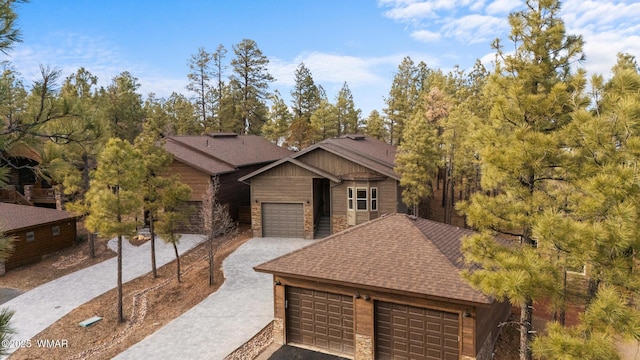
(256, 219)
(364, 347)
(339, 223)
(256, 345)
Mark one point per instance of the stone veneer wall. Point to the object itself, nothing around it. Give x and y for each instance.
(256, 219)
(256, 345)
(364, 347)
(308, 221)
(339, 223)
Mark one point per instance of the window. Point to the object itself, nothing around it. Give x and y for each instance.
(350, 198)
(55, 230)
(374, 199)
(361, 198)
(30, 236)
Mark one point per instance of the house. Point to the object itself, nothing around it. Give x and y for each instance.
(387, 289)
(25, 185)
(325, 188)
(197, 159)
(39, 231)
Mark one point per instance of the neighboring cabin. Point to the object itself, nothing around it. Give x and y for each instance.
(325, 188)
(197, 159)
(387, 289)
(39, 231)
(25, 186)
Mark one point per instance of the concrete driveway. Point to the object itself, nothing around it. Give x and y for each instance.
(37, 309)
(227, 318)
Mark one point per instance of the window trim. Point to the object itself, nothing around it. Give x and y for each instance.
(30, 236)
(350, 198)
(374, 199)
(365, 200)
(55, 230)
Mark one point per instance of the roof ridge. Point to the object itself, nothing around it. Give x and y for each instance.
(190, 147)
(374, 159)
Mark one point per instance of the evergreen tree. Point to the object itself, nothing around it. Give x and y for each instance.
(182, 114)
(115, 197)
(374, 126)
(200, 77)
(325, 122)
(418, 156)
(523, 159)
(251, 79)
(155, 162)
(277, 127)
(402, 100)
(598, 226)
(122, 107)
(171, 198)
(218, 89)
(347, 115)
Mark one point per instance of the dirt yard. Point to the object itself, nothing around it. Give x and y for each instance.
(148, 303)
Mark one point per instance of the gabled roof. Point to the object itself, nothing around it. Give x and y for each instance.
(395, 253)
(221, 153)
(15, 217)
(369, 152)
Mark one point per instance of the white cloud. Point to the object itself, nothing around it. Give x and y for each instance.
(426, 36)
(475, 28)
(502, 7)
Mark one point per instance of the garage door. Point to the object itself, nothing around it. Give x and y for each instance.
(282, 220)
(320, 320)
(407, 332)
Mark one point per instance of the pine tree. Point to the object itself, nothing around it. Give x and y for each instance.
(122, 107)
(598, 226)
(374, 126)
(347, 115)
(171, 213)
(115, 197)
(200, 77)
(403, 99)
(251, 79)
(277, 127)
(418, 157)
(523, 159)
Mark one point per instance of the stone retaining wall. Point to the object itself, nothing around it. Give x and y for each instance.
(256, 345)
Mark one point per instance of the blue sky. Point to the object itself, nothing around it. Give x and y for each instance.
(355, 41)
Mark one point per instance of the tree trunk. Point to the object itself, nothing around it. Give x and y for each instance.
(211, 272)
(526, 317)
(175, 251)
(120, 313)
(154, 269)
(92, 244)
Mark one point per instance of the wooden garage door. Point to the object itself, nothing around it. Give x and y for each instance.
(282, 220)
(320, 319)
(407, 332)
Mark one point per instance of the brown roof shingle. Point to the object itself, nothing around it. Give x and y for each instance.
(222, 153)
(393, 253)
(15, 217)
(372, 153)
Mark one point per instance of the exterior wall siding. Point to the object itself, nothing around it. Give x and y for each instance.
(278, 189)
(197, 180)
(44, 242)
(364, 321)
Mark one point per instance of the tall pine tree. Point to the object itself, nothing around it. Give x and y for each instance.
(523, 159)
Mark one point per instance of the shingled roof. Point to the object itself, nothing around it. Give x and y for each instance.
(221, 153)
(396, 253)
(15, 217)
(372, 153)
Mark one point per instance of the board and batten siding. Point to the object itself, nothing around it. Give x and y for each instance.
(332, 163)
